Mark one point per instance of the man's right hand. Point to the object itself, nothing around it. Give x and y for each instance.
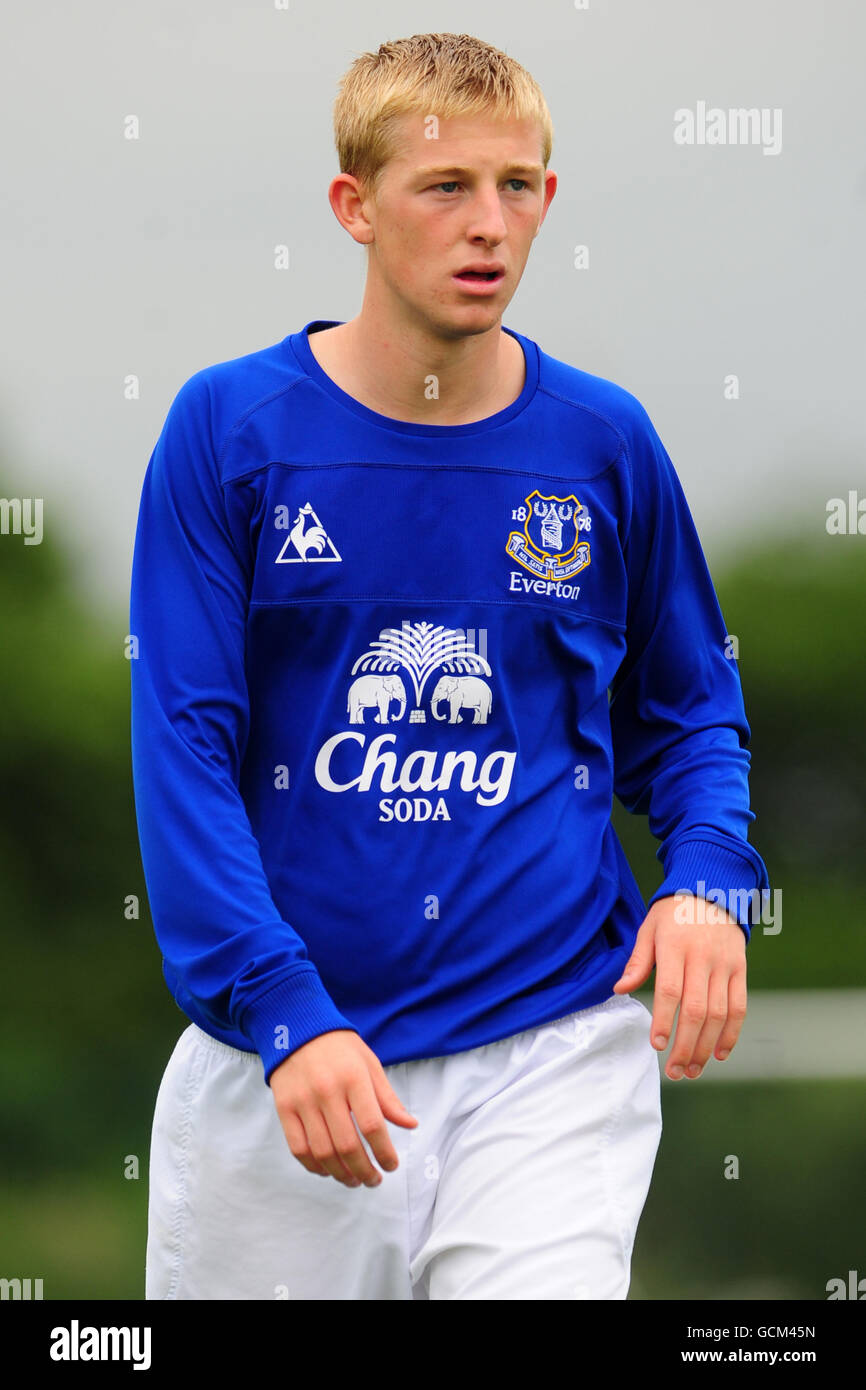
(319, 1089)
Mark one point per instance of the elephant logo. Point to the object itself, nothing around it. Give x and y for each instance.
(463, 692)
(375, 691)
(421, 652)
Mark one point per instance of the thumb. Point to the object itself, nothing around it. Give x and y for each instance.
(389, 1102)
(639, 963)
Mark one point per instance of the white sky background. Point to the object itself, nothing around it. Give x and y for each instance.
(156, 256)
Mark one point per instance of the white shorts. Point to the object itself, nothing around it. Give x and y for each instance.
(524, 1178)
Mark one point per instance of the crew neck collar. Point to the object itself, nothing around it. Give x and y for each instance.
(298, 343)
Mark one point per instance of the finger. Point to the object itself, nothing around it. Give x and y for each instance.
(296, 1138)
(386, 1097)
(322, 1146)
(348, 1143)
(737, 1003)
(717, 1013)
(364, 1101)
(692, 1016)
(639, 963)
(667, 995)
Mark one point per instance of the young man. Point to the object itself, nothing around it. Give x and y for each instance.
(414, 600)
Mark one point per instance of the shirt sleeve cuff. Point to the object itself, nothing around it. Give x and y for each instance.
(294, 1012)
(716, 873)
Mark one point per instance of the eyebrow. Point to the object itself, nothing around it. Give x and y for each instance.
(457, 169)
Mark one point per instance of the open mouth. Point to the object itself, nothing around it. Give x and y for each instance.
(480, 275)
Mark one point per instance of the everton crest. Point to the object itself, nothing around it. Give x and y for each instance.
(550, 544)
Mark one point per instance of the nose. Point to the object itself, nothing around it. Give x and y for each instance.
(485, 216)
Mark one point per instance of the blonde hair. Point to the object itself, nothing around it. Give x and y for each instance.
(445, 75)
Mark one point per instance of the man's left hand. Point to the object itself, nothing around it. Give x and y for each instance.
(700, 967)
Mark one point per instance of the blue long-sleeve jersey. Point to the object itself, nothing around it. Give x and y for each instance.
(389, 677)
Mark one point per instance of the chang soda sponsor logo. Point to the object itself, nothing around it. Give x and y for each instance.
(550, 546)
(354, 761)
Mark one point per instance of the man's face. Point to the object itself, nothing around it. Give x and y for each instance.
(476, 194)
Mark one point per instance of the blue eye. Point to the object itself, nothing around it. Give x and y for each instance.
(453, 183)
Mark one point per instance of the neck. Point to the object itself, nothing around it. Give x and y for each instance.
(417, 375)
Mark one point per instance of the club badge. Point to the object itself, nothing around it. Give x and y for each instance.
(549, 546)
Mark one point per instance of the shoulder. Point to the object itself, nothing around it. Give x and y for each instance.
(612, 404)
(616, 426)
(220, 398)
(644, 463)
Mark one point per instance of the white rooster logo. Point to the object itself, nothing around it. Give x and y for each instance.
(312, 539)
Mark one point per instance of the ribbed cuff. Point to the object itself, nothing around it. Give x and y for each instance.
(720, 875)
(294, 1012)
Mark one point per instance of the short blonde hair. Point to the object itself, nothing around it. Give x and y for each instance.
(446, 75)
